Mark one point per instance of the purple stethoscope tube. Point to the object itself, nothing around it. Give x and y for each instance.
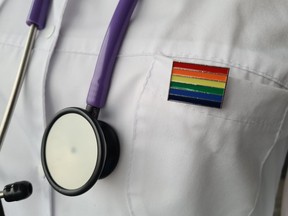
(100, 83)
(105, 138)
(105, 143)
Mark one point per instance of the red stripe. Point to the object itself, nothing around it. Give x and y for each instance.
(211, 69)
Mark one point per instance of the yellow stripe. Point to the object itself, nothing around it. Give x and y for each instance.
(201, 82)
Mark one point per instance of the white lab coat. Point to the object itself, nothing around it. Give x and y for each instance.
(176, 158)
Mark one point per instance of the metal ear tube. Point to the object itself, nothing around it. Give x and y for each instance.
(36, 20)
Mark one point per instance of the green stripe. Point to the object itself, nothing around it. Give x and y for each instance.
(198, 88)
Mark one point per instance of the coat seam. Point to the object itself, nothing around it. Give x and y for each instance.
(134, 136)
(265, 160)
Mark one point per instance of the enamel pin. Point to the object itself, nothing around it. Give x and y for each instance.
(198, 84)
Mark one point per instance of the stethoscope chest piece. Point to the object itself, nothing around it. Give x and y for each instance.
(77, 150)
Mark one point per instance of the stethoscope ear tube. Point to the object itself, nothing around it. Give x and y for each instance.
(37, 19)
(38, 13)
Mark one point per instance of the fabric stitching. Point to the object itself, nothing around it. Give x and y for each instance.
(234, 65)
(51, 49)
(148, 76)
(245, 121)
(265, 159)
(213, 59)
(240, 119)
(209, 114)
(12, 45)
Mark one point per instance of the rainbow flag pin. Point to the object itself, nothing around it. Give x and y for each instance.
(198, 84)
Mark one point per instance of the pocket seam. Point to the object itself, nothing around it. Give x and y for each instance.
(265, 160)
(136, 118)
(245, 121)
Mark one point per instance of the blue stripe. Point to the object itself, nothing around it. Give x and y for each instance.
(196, 95)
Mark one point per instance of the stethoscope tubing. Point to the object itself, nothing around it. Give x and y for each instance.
(107, 143)
(36, 20)
(106, 137)
(100, 83)
(112, 42)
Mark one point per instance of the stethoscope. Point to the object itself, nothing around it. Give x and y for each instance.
(77, 148)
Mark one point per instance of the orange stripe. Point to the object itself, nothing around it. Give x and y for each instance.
(197, 74)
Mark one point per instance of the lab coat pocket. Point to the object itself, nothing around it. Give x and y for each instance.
(200, 161)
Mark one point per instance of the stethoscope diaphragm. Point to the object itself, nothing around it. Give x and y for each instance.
(77, 150)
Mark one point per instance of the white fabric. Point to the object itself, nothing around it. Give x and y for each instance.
(284, 209)
(176, 159)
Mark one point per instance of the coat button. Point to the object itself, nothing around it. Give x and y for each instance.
(49, 31)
